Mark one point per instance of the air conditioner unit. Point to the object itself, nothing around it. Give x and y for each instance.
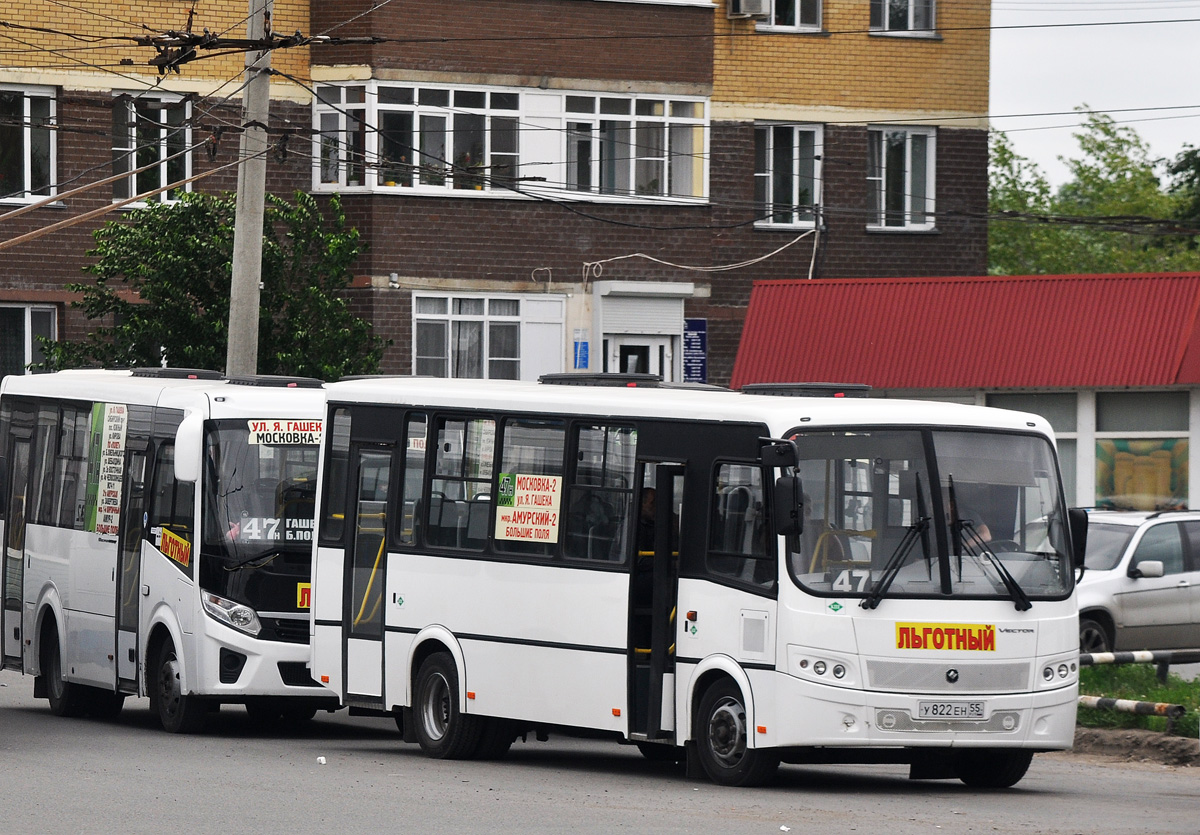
(748, 8)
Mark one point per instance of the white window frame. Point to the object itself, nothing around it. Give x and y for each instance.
(33, 98)
(765, 181)
(882, 23)
(880, 179)
(661, 133)
(666, 149)
(132, 154)
(780, 8)
(486, 319)
(31, 353)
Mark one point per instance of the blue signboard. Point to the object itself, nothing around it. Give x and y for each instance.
(695, 350)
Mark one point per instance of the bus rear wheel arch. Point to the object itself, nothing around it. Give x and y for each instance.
(722, 738)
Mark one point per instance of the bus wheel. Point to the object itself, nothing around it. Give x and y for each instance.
(722, 739)
(177, 712)
(103, 704)
(443, 730)
(981, 768)
(66, 698)
(496, 738)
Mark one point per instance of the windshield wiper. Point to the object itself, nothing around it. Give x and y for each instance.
(911, 534)
(1019, 597)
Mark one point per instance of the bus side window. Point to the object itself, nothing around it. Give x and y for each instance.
(414, 477)
(40, 509)
(172, 503)
(531, 465)
(333, 512)
(600, 496)
(461, 483)
(737, 544)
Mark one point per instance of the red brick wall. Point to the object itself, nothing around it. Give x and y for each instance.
(554, 38)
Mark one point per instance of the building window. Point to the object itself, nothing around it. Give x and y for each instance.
(1142, 450)
(900, 177)
(27, 146)
(150, 141)
(20, 326)
(793, 14)
(467, 336)
(786, 174)
(1061, 410)
(902, 16)
(445, 140)
(643, 147)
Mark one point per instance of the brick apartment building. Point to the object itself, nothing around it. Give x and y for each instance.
(544, 185)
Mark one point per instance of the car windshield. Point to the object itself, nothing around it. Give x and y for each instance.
(1105, 545)
(988, 521)
(259, 489)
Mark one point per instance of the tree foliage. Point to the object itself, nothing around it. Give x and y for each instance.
(1112, 215)
(162, 283)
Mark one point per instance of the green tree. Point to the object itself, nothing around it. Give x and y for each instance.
(1113, 215)
(1185, 184)
(161, 290)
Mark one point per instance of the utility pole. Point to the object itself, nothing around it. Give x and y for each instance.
(242, 353)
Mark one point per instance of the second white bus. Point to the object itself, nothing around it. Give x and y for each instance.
(157, 526)
(732, 578)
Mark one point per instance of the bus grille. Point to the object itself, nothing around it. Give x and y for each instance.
(936, 676)
(288, 630)
(295, 674)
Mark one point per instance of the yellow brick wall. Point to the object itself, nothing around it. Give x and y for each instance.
(849, 68)
(99, 63)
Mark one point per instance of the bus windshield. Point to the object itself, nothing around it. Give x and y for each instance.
(258, 494)
(987, 522)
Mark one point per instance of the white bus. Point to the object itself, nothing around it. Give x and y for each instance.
(157, 528)
(738, 579)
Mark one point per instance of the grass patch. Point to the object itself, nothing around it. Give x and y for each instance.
(1140, 682)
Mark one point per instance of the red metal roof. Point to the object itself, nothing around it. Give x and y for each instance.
(977, 332)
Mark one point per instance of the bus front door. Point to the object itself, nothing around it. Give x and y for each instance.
(129, 595)
(652, 602)
(14, 551)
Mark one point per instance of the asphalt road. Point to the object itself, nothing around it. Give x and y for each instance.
(79, 775)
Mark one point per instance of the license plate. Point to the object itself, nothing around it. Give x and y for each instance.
(950, 710)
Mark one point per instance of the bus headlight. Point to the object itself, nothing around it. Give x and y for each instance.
(238, 615)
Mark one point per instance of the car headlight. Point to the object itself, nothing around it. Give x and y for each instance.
(238, 615)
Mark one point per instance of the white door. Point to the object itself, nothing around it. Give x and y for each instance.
(1156, 610)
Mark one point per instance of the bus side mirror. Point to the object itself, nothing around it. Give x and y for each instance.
(777, 453)
(1077, 520)
(189, 447)
(789, 506)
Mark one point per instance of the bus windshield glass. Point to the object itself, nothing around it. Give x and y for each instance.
(259, 489)
(927, 513)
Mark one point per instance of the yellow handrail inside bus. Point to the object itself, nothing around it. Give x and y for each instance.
(820, 557)
(370, 582)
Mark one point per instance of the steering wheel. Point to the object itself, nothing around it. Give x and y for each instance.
(1004, 546)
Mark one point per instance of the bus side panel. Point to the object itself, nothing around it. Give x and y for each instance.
(84, 585)
(540, 643)
(326, 624)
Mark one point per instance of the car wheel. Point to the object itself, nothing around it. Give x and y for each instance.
(1093, 637)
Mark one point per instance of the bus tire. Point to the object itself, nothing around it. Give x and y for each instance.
(177, 712)
(104, 704)
(497, 737)
(982, 768)
(443, 731)
(66, 698)
(723, 737)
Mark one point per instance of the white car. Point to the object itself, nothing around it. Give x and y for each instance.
(1141, 585)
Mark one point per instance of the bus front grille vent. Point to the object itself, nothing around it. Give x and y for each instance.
(930, 676)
